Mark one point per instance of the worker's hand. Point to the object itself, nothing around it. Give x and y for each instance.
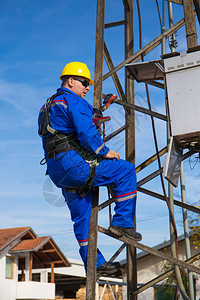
(112, 154)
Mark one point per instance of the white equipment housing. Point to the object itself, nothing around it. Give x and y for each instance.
(182, 79)
(181, 72)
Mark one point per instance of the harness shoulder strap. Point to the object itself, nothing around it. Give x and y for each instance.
(45, 128)
(45, 124)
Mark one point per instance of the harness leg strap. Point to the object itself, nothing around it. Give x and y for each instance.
(83, 190)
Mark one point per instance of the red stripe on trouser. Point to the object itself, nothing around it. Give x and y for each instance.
(83, 240)
(125, 194)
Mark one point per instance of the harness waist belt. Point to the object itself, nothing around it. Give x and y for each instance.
(57, 144)
(62, 143)
(59, 149)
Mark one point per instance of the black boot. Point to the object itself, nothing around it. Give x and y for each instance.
(109, 268)
(120, 231)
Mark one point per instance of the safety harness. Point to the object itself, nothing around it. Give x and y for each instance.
(57, 142)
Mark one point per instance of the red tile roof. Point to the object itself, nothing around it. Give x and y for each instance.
(31, 245)
(10, 234)
(25, 239)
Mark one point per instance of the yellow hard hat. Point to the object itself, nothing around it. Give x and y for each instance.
(77, 69)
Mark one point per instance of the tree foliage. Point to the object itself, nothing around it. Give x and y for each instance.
(194, 225)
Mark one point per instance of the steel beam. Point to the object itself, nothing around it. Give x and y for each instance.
(153, 194)
(149, 177)
(176, 1)
(92, 248)
(176, 202)
(127, 4)
(152, 251)
(156, 83)
(186, 232)
(106, 203)
(116, 132)
(114, 24)
(150, 160)
(121, 248)
(163, 276)
(114, 76)
(142, 110)
(147, 48)
(188, 154)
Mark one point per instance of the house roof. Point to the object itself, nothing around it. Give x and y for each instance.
(23, 239)
(9, 235)
(45, 252)
(31, 245)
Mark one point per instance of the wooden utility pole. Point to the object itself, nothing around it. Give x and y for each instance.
(130, 139)
(98, 79)
(191, 33)
(98, 74)
(197, 8)
(92, 248)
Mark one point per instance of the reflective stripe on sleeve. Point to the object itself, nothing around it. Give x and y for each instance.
(99, 148)
(59, 102)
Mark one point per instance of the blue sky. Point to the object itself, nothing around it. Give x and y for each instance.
(37, 38)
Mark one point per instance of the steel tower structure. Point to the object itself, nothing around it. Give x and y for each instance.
(126, 99)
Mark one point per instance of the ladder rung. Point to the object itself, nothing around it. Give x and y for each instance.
(152, 251)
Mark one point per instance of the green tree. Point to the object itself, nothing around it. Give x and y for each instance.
(194, 225)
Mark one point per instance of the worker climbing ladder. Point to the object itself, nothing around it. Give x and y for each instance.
(126, 99)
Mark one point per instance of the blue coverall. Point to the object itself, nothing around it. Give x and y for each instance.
(72, 114)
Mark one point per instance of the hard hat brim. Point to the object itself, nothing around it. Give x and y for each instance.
(91, 82)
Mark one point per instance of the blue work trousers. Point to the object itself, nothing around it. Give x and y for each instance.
(119, 174)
